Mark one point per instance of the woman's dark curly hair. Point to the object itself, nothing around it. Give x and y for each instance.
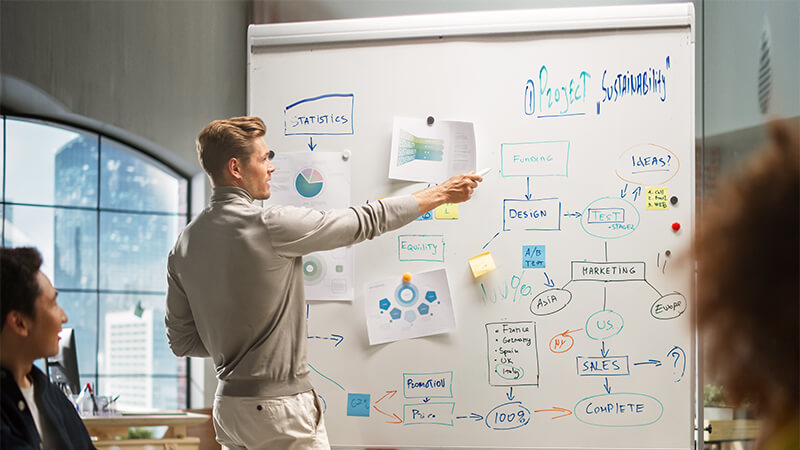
(748, 280)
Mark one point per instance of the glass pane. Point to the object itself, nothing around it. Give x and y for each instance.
(135, 360)
(131, 181)
(81, 309)
(2, 158)
(144, 393)
(49, 165)
(67, 239)
(134, 248)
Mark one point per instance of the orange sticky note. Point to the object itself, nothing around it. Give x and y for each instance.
(447, 211)
(481, 264)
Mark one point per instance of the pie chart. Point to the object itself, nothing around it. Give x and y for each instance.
(309, 182)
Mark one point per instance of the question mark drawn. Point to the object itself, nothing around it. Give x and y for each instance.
(680, 356)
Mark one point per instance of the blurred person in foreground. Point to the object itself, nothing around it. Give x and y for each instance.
(35, 412)
(749, 287)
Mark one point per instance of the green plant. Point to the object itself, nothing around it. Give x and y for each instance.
(139, 433)
(714, 396)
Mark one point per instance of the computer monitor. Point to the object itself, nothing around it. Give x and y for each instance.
(63, 368)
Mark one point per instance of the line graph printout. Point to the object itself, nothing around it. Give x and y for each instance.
(319, 181)
(431, 153)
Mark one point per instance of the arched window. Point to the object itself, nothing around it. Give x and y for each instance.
(104, 215)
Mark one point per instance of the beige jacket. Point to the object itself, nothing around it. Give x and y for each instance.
(235, 284)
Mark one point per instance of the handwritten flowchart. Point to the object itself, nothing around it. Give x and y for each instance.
(513, 348)
(567, 315)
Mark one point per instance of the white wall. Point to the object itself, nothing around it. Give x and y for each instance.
(159, 69)
(731, 47)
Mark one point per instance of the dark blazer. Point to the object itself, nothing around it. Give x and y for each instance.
(61, 423)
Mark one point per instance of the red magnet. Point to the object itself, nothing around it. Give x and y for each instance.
(676, 226)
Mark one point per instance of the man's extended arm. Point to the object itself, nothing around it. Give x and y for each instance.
(300, 231)
(455, 189)
(181, 330)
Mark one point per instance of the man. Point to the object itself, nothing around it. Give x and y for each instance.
(236, 286)
(35, 412)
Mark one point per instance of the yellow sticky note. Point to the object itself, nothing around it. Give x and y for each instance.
(657, 198)
(447, 211)
(481, 264)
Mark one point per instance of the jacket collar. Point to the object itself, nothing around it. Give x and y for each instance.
(228, 193)
(38, 377)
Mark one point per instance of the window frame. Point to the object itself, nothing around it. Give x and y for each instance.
(149, 153)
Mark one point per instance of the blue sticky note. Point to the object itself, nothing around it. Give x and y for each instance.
(533, 257)
(427, 216)
(358, 405)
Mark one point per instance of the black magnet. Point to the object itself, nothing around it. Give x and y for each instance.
(667, 253)
(430, 120)
(673, 200)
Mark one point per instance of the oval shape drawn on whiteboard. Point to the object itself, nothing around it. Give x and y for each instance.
(669, 306)
(610, 218)
(509, 371)
(647, 165)
(550, 301)
(604, 324)
(619, 409)
(508, 416)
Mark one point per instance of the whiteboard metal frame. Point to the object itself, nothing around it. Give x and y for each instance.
(473, 23)
(504, 22)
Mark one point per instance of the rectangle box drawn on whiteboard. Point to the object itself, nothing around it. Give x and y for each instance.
(608, 271)
(535, 159)
(512, 354)
(539, 214)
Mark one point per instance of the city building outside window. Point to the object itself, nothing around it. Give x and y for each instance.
(104, 216)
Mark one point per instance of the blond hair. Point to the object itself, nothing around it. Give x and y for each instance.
(222, 140)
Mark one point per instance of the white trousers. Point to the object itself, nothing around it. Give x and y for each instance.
(291, 422)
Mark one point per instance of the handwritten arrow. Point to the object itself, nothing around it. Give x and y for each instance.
(549, 283)
(607, 386)
(652, 361)
(394, 416)
(603, 350)
(624, 191)
(510, 394)
(565, 412)
(474, 416)
(338, 338)
(311, 144)
(389, 394)
(575, 214)
(528, 183)
(490, 240)
(637, 192)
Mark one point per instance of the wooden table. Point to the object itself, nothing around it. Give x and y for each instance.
(731, 434)
(108, 430)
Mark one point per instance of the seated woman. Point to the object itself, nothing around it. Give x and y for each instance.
(35, 412)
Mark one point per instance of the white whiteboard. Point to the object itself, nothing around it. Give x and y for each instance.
(581, 169)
